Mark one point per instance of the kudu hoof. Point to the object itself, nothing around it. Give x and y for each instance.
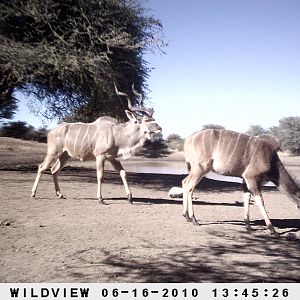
(194, 220)
(60, 195)
(129, 198)
(275, 234)
(187, 218)
(249, 228)
(101, 201)
(191, 219)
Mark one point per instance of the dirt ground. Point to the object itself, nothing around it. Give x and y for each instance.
(79, 240)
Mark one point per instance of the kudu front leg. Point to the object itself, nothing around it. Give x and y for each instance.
(100, 172)
(42, 168)
(119, 168)
(197, 172)
(188, 211)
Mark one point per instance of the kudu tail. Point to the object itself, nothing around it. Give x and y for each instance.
(286, 182)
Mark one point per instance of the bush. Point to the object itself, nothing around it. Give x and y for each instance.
(154, 148)
(175, 142)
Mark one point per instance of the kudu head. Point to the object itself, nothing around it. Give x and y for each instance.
(141, 116)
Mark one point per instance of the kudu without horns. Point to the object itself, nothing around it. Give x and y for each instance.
(104, 139)
(229, 153)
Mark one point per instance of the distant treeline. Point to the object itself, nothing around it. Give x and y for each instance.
(24, 131)
(287, 133)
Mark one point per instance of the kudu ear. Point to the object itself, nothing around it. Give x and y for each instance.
(130, 116)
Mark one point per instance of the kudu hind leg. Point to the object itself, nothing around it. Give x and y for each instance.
(253, 187)
(58, 165)
(42, 168)
(246, 200)
(119, 168)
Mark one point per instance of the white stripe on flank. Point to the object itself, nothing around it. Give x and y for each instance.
(67, 137)
(246, 148)
(219, 141)
(75, 142)
(94, 136)
(84, 137)
(193, 142)
(235, 147)
(93, 139)
(203, 143)
(256, 149)
(211, 141)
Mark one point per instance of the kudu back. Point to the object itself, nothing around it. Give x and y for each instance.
(104, 139)
(229, 153)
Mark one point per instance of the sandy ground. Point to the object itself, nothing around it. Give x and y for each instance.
(78, 240)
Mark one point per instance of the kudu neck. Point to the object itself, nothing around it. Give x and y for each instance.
(129, 134)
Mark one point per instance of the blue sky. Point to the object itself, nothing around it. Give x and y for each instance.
(234, 63)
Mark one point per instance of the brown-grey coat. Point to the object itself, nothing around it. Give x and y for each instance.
(253, 158)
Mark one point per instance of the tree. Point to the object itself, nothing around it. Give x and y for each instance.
(8, 105)
(256, 130)
(288, 133)
(213, 126)
(68, 54)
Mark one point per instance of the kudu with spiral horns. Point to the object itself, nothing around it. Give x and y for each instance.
(104, 139)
